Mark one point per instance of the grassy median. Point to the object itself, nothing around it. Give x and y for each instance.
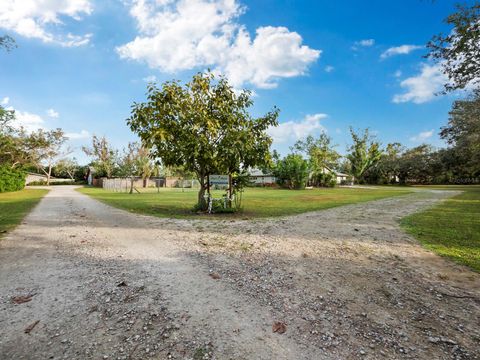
(257, 202)
(452, 228)
(15, 205)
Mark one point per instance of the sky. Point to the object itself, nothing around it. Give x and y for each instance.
(327, 65)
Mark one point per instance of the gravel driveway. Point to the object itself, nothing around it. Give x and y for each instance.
(82, 280)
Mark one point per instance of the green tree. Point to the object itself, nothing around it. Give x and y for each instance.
(364, 153)
(130, 164)
(145, 164)
(66, 167)
(463, 134)
(387, 169)
(104, 156)
(416, 165)
(458, 53)
(292, 171)
(6, 118)
(46, 147)
(322, 157)
(204, 126)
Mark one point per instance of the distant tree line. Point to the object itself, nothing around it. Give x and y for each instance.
(315, 161)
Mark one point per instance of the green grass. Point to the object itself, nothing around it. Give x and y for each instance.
(452, 228)
(257, 202)
(15, 205)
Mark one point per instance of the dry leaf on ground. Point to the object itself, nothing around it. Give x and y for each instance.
(279, 327)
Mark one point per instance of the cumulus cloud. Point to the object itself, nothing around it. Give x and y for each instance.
(5, 101)
(422, 87)
(294, 130)
(177, 35)
(423, 136)
(52, 113)
(84, 134)
(30, 122)
(39, 18)
(399, 50)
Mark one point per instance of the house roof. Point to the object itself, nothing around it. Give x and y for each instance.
(257, 172)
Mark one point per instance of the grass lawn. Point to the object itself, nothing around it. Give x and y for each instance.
(452, 228)
(15, 205)
(257, 202)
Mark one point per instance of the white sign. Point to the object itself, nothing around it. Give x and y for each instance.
(218, 179)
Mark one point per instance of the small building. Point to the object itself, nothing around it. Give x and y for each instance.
(341, 178)
(258, 178)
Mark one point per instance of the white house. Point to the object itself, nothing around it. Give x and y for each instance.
(257, 177)
(341, 177)
(338, 175)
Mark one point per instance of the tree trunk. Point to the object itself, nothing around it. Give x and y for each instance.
(132, 179)
(201, 203)
(49, 174)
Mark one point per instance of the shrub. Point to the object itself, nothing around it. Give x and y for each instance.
(37, 183)
(292, 172)
(11, 179)
(326, 179)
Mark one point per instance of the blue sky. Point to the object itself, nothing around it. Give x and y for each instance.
(80, 64)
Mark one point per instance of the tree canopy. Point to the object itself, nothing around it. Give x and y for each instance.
(103, 154)
(46, 148)
(203, 126)
(7, 42)
(364, 153)
(458, 53)
(463, 133)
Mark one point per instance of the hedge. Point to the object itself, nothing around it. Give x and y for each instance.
(11, 179)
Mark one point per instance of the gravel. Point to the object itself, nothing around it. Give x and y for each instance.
(344, 283)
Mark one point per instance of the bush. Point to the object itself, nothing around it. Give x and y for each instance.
(327, 179)
(11, 179)
(37, 183)
(292, 172)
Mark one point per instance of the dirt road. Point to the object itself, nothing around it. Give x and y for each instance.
(82, 280)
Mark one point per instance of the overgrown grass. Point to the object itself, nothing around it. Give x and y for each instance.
(257, 202)
(452, 228)
(15, 205)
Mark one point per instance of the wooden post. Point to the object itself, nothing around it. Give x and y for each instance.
(230, 190)
(208, 185)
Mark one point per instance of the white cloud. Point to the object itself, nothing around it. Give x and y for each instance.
(38, 18)
(5, 101)
(295, 130)
(30, 122)
(52, 113)
(329, 68)
(366, 42)
(150, 78)
(84, 134)
(186, 34)
(423, 136)
(397, 73)
(422, 87)
(399, 50)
